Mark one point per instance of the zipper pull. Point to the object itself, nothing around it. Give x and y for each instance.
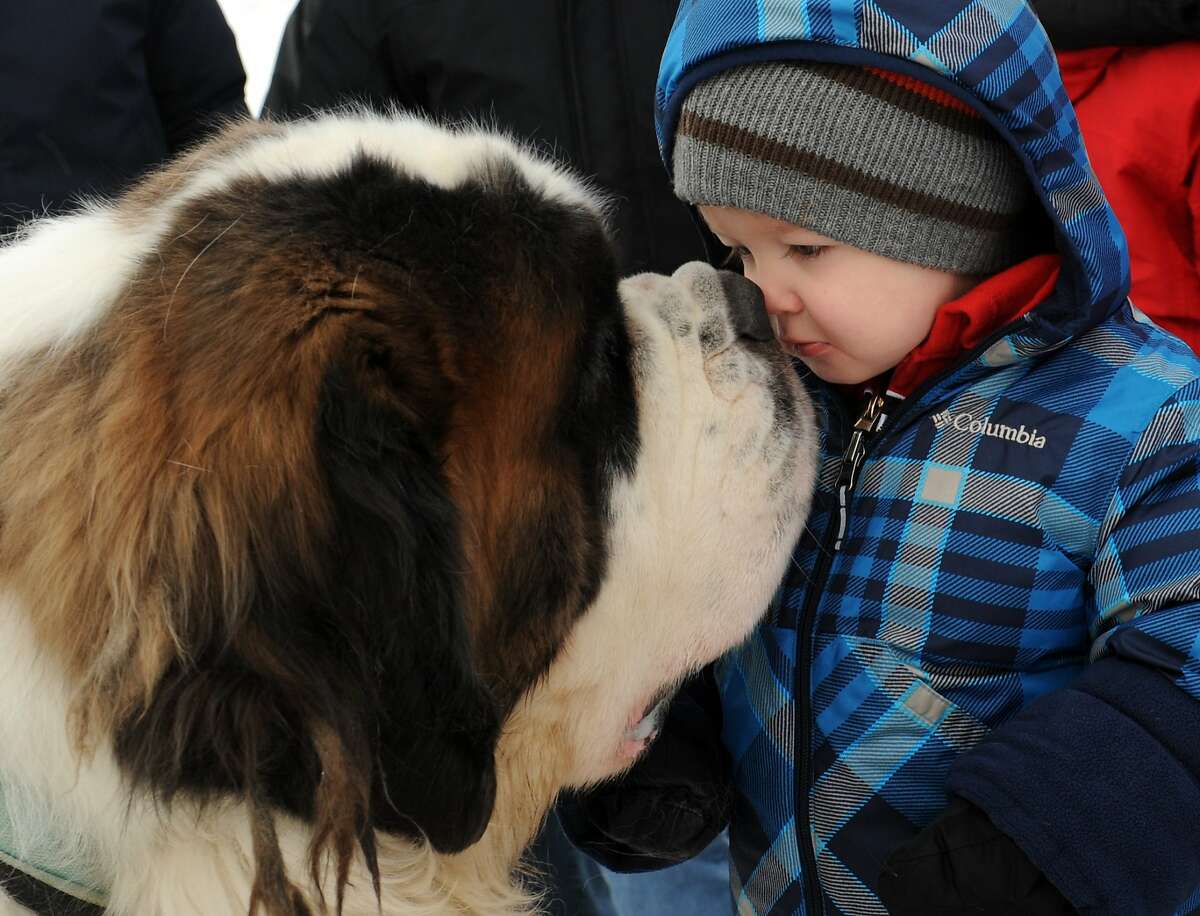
(868, 422)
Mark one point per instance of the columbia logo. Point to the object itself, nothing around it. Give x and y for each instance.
(966, 423)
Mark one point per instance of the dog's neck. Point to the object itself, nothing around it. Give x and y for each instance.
(532, 763)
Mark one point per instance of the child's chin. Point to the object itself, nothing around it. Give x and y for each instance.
(834, 377)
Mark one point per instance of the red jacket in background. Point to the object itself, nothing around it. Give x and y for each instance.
(1139, 109)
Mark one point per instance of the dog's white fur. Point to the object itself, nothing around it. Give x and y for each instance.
(700, 535)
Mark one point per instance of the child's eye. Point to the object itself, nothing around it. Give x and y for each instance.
(806, 251)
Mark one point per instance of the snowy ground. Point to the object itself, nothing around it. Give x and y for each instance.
(257, 25)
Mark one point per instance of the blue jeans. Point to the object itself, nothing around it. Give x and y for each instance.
(697, 887)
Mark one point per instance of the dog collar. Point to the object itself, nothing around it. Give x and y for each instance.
(34, 879)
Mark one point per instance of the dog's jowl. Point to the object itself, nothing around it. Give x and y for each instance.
(350, 508)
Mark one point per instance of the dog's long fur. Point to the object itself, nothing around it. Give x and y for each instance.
(349, 510)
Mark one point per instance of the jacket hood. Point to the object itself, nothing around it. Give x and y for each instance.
(992, 54)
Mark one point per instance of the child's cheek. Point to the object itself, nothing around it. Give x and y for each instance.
(775, 325)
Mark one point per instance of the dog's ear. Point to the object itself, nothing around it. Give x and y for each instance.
(402, 568)
(344, 689)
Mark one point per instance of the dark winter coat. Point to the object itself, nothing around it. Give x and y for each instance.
(998, 595)
(97, 91)
(1091, 23)
(575, 77)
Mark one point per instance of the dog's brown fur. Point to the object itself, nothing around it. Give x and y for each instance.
(318, 500)
(150, 465)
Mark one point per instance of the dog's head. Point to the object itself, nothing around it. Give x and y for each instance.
(350, 440)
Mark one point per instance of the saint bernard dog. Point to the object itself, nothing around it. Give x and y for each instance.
(350, 508)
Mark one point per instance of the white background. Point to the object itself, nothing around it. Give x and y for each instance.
(257, 24)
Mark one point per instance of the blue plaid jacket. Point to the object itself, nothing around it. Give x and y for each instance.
(1002, 597)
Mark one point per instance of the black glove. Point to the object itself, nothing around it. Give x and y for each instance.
(670, 805)
(961, 864)
(651, 817)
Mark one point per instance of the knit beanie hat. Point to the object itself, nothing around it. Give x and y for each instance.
(875, 159)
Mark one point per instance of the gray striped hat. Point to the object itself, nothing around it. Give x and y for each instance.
(875, 159)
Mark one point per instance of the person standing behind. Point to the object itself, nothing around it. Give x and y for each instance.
(95, 92)
(575, 77)
(1132, 70)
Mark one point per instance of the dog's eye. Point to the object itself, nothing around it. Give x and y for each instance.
(376, 358)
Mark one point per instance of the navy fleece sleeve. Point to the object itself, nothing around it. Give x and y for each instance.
(1100, 783)
(1097, 784)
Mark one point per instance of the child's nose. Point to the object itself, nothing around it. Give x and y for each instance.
(780, 298)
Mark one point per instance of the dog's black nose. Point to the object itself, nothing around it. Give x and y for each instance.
(746, 308)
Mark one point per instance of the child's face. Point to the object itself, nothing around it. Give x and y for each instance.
(847, 313)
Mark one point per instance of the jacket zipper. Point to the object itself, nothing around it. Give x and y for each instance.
(867, 427)
(865, 433)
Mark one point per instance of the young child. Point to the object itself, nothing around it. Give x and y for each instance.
(979, 689)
